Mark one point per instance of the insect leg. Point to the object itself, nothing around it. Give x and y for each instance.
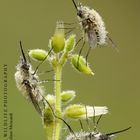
(49, 80)
(82, 128)
(69, 127)
(40, 73)
(88, 54)
(87, 118)
(80, 53)
(94, 119)
(112, 42)
(42, 61)
(70, 30)
(99, 119)
(65, 23)
(78, 41)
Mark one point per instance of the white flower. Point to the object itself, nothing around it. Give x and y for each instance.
(95, 111)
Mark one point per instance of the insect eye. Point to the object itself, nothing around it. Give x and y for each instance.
(26, 82)
(79, 13)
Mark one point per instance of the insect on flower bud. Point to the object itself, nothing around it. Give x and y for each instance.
(58, 39)
(80, 64)
(81, 112)
(67, 96)
(38, 54)
(70, 43)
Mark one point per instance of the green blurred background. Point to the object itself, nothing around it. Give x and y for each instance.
(116, 82)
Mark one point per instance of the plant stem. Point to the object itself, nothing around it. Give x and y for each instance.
(49, 131)
(58, 98)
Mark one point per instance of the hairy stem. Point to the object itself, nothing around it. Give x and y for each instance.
(58, 98)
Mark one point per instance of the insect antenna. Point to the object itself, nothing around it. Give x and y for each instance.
(42, 61)
(69, 127)
(23, 54)
(116, 132)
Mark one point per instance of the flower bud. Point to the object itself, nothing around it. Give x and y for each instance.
(48, 117)
(67, 96)
(58, 40)
(38, 54)
(51, 99)
(70, 43)
(49, 123)
(78, 111)
(80, 64)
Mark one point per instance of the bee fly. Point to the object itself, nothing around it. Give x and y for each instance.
(28, 82)
(94, 135)
(93, 27)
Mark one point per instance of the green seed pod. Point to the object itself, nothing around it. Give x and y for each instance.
(67, 96)
(58, 39)
(80, 64)
(38, 54)
(70, 43)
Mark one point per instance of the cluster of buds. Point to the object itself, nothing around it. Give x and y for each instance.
(60, 45)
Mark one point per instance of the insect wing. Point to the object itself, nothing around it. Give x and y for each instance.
(35, 103)
(92, 38)
(33, 99)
